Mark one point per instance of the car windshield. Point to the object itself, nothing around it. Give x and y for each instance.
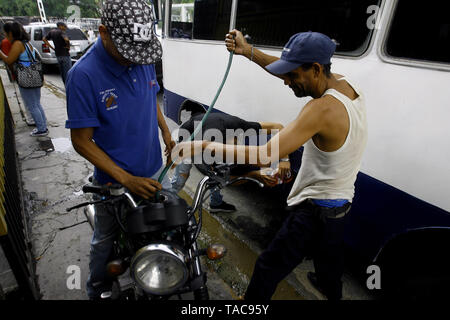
(76, 34)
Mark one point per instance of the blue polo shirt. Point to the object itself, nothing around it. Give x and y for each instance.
(119, 102)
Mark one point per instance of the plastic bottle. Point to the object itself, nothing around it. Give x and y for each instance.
(273, 173)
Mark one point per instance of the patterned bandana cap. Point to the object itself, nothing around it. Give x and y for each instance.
(130, 23)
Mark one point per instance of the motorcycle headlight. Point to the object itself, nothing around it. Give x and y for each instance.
(159, 269)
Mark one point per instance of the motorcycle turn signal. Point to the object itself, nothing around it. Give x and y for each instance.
(214, 252)
(116, 267)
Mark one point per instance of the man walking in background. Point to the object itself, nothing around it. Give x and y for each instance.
(61, 48)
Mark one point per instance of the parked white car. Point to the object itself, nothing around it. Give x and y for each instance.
(37, 31)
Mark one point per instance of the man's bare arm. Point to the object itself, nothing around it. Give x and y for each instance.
(310, 121)
(66, 39)
(48, 43)
(165, 132)
(162, 121)
(86, 147)
(271, 126)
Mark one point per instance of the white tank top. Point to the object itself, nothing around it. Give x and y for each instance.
(332, 175)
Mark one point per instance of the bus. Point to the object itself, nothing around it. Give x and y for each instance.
(398, 53)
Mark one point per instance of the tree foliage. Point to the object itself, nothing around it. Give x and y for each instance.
(182, 1)
(56, 8)
(89, 8)
(53, 8)
(18, 8)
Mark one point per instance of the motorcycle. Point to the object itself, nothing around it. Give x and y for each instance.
(157, 240)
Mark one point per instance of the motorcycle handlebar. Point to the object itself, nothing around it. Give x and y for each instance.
(118, 190)
(260, 184)
(89, 188)
(203, 183)
(110, 190)
(115, 190)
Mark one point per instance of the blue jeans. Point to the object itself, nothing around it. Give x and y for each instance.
(105, 232)
(179, 180)
(32, 99)
(65, 63)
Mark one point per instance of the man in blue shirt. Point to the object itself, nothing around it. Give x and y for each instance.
(114, 117)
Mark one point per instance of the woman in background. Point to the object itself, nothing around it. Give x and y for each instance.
(6, 47)
(31, 96)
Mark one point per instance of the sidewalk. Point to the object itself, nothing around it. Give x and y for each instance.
(52, 182)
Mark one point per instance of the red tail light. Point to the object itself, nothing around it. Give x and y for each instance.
(45, 48)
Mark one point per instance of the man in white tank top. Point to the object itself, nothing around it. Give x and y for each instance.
(333, 130)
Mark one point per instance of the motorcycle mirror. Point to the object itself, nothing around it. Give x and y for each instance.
(216, 251)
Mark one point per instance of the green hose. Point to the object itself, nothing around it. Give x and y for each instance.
(211, 107)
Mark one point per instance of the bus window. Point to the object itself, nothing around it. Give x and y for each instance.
(272, 23)
(200, 19)
(181, 19)
(420, 32)
(161, 14)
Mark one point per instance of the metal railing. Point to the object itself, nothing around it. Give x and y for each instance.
(14, 235)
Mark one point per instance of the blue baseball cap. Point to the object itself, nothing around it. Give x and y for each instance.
(304, 47)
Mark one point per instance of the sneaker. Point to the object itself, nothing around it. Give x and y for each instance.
(36, 133)
(223, 207)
